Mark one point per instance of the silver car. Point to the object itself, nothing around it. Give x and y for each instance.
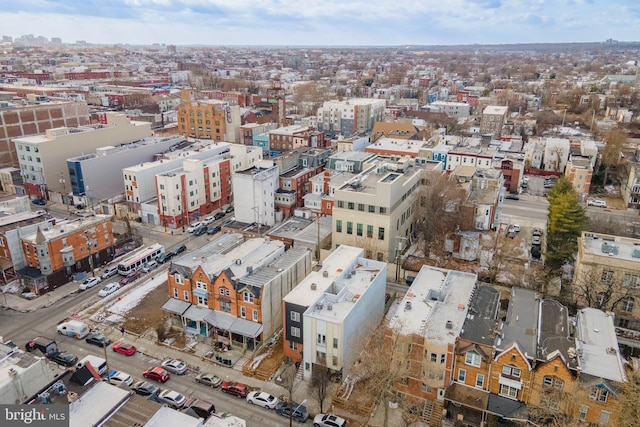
(174, 365)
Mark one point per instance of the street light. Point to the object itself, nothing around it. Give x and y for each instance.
(93, 273)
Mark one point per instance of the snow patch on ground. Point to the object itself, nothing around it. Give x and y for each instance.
(124, 303)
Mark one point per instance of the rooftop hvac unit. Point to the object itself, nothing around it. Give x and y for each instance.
(329, 307)
(325, 273)
(407, 305)
(314, 286)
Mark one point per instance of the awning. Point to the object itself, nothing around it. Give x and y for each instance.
(176, 306)
(507, 408)
(236, 325)
(246, 328)
(219, 319)
(196, 313)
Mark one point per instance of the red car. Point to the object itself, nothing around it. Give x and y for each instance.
(235, 389)
(156, 373)
(124, 348)
(130, 278)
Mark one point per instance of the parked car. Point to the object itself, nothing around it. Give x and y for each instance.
(300, 412)
(172, 398)
(179, 250)
(516, 228)
(219, 215)
(537, 232)
(200, 230)
(109, 289)
(156, 373)
(229, 209)
(130, 277)
(193, 226)
(175, 366)
(199, 408)
(150, 266)
(536, 240)
(214, 229)
(39, 202)
(98, 339)
(109, 272)
(597, 203)
(512, 197)
(263, 399)
(90, 282)
(124, 348)
(235, 389)
(119, 377)
(210, 380)
(144, 388)
(162, 258)
(63, 358)
(207, 220)
(329, 420)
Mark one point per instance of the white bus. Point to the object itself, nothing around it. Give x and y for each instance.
(137, 259)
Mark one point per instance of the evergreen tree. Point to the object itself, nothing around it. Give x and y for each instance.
(567, 220)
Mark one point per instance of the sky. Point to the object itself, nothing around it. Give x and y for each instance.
(323, 22)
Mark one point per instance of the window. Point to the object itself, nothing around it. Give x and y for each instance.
(175, 292)
(598, 394)
(372, 209)
(582, 412)
(335, 343)
(472, 358)
(295, 332)
(383, 211)
(479, 380)
(225, 306)
(334, 360)
(243, 312)
(443, 358)
(552, 381)
(380, 233)
(361, 207)
(604, 418)
(433, 357)
(340, 204)
(201, 285)
(507, 391)
(293, 345)
(349, 227)
(626, 305)
(203, 301)
(350, 205)
(404, 380)
(322, 339)
(178, 279)
(338, 226)
(359, 230)
(254, 315)
(426, 387)
(369, 232)
(462, 375)
(186, 295)
(224, 291)
(606, 276)
(247, 296)
(549, 402)
(511, 371)
(295, 316)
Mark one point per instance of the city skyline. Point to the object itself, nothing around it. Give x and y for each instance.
(326, 23)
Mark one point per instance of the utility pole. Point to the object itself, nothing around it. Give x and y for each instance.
(86, 236)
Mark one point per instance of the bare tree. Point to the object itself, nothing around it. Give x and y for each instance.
(438, 203)
(614, 143)
(287, 379)
(320, 383)
(603, 290)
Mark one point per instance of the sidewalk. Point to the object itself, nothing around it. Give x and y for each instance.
(13, 301)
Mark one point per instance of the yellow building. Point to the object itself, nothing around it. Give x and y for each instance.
(209, 119)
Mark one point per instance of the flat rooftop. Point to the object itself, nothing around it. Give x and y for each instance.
(521, 322)
(481, 323)
(436, 305)
(96, 403)
(220, 245)
(409, 146)
(64, 228)
(604, 245)
(334, 267)
(597, 345)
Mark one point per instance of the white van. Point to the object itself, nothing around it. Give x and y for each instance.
(151, 265)
(74, 328)
(98, 363)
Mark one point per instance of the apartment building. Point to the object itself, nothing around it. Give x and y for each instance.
(483, 205)
(328, 316)
(607, 276)
(396, 147)
(55, 252)
(350, 117)
(294, 185)
(12, 227)
(209, 119)
(493, 118)
(294, 137)
(255, 203)
(43, 157)
(234, 290)
(424, 330)
(250, 130)
(456, 110)
(579, 172)
(376, 210)
(17, 121)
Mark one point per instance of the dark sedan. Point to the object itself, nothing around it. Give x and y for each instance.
(63, 358)
(99, 340)
(144, 388)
